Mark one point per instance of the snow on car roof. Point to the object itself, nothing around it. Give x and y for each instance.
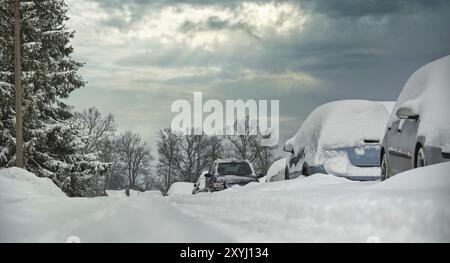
(341, 124)
(427, 93)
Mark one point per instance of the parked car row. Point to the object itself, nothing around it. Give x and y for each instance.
(360, 140)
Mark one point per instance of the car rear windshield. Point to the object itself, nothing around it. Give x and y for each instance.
(234, 168)
(362, 155)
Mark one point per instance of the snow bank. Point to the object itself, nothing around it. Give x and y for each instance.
(276, 171)
(427, 93)
(117, 193)
(340, 124)
(181, 188)
(32, 209)
(409, 207)
(434, 178)
(151, 193)
(102, 219)
(18, 184)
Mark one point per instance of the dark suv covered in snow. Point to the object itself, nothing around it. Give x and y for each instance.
(227, 173)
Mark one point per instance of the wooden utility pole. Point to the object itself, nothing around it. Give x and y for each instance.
(18, 86)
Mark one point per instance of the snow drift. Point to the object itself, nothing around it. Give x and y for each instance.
(181, 188)
(410, 207)
(432, 178)
(33, 209)
(18, 184)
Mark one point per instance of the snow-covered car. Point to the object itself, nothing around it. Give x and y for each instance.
(227, 173)
(418, 130)
(276, 171)
(200, 185)
(340, 138)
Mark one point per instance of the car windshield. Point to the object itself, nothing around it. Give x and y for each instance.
(362, 155)
(234, 168)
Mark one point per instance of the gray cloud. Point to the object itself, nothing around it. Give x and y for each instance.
(214, 23)
(356, 49)
(351, 8)
(345, 8)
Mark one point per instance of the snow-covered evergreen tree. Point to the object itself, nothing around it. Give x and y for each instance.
(53, 144)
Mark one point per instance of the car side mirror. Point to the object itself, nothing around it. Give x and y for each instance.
(208, 175)
(405, 112)
(288, 148)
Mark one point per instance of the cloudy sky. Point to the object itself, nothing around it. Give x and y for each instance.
(141, 55)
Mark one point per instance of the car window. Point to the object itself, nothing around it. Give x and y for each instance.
(234, 168)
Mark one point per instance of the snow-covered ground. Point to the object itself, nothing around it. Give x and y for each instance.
(180, 188)
(34, 210)
(409, 207)
(122, 193)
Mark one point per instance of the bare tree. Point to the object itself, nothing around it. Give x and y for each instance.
(265, 157)
(243, 145)
(133, 156)
(248, 146)
(215, 149)
(169, 151)
(97, 129)
(98, 135)
(194, 156)
(108, 155)
(183, 158)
